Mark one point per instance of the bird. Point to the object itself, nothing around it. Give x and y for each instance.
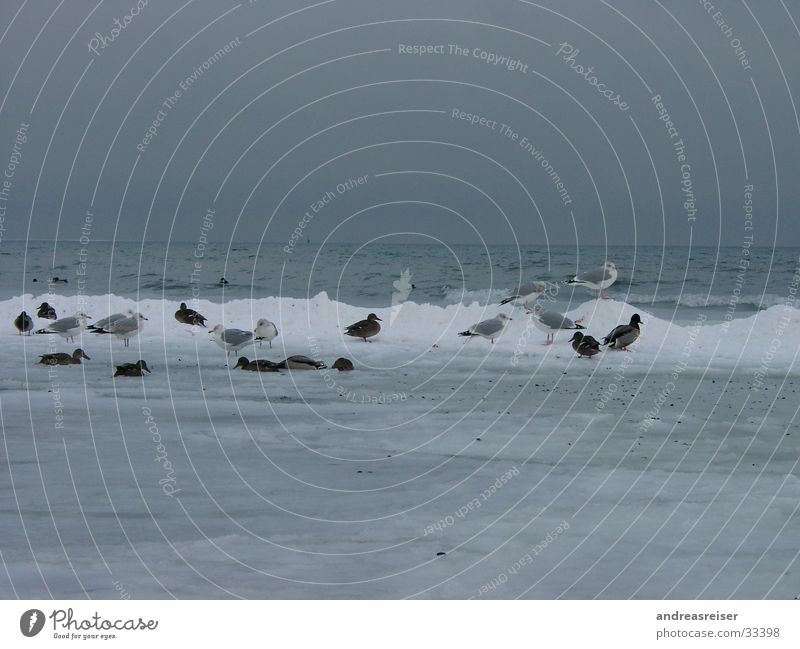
(101, 324)
(46, 312)
(185, 315)
(490, 329)
(525, 294)
(58, 280)
(585, 345)
(598, 279)
(223, 281)
(265, 330)
(550, 322)
(60, 358)
(132, 369)
(342, 364)
(66, 327)
(258, 365)
(232, 340)
(23, 323)
(625, 334)
(365, 328)
(124, 328)
(300, 363)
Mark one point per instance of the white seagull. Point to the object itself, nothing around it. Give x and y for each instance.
(102, 324)
(490, 329)
(265, 330)
(597, 279)
(526, 293)
(231, 340)
(124, 328)
(67, 327)
(550, 322)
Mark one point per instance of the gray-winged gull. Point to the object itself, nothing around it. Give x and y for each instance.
(125, 328)
(231, 340)
(265, 330)
(597, 279)
(550, 322)
(490, 329)
(67, 327)
(525, 293)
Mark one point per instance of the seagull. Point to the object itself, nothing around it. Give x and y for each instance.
(101, 324)
(300, 363)
(342, 364)
(189, 316)
(623, 335)
(597, 279)
(60, 358)
(550, 322)
(585, 345)
(265, 330)
(231, 340)
(365, 328)
(66, 327)
(24, 323)
(132, 369)
(46, 312)
(526, 293)
(258, 365)
(124, 328)
(490, 329)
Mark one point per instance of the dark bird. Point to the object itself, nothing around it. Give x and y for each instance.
(58, 280)
(60, 358)
(23, 323)
(585, 345)
(342, 364)
(185, 315)
(46, 311)
(222, 281)
(258, 365)
(623, 335)
(132, 369)
(365, 328)
(300, 363)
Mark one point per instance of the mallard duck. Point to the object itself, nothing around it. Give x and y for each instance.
(60, 358)
(490, 329)
(24, 323)
(258, 365)
(188, 316)
(365, 328)
(46, 312)
(623, 335)
(132, 369)
(343, 364)
(300, 363)
(585, 345)
(597, 279)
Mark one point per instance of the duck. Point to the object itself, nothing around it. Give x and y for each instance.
(625, 334)
(60, 358)
(67, 327)
(525, 294)
(585, 345)
(223, 281)
(46, 312)
(598, 278)
(231, 340)
(365, 328)
(258, 365)
(300, 362)
(24, 324)
(265, 330)
(132, 369)
(550, 322)
(58, 280)
(343, 364)
(490, 329)
(188, 316)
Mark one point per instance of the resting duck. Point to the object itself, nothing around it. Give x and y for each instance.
(132, 369)
(60, 358)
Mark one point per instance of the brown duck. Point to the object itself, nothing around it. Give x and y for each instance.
(585, 345)
(132, 369)
(258, 365)
(185, 315)
(342, 364)
(60, 358)
(365, 328)
(46, 311)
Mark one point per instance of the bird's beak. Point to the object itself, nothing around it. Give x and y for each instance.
(511, 318)
(88, 358)
(377, 318)
(143, 318)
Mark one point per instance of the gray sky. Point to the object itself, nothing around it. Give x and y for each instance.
(291, 111)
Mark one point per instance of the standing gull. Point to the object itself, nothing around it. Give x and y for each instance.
(490, 329)
(597, 279)
(124, 328)
(101, 324)
(66, 327)
(550, 322)
(24, 323)
(365, 328)
(625, 334)
(526, 293)
(265, 330)
(231, 340)
(185, 315)
(585, 345)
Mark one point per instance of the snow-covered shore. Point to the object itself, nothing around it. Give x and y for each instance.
(671, 471)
